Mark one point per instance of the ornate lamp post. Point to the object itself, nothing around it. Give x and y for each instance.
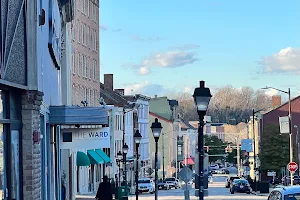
(125, 151)
(119, 159)
(137, 139)
(201, 97)
(156, 130)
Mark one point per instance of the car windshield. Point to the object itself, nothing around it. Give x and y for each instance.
(232, 178)
(240, 181)
(144, 181)
(170, 179)
(295, 196)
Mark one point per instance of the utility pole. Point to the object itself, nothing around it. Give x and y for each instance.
(163, 154)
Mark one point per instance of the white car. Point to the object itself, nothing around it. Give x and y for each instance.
(285, 193)
(214, 167)
(146, 185)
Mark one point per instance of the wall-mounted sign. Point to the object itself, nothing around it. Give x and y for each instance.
(85, 138)
(284, 124)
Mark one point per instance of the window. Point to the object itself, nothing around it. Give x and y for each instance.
(88, 95)
(73, 62)
(88, 71)
(73, 95)
(83, 6)
(91, 97)
(83, 34)
(78, 31)
(95, 66)
(78, 63)
(91, 38)
(88, 7)
(95, 97)
(96, 41)
(84, 66)
(85, 94)
(88, 37)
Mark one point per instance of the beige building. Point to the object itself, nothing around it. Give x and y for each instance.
(85, 67)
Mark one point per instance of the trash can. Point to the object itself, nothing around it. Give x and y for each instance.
(123, 192)
(264, 187)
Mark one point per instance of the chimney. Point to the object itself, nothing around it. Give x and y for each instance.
(120, 91)
(276, 101)
(155, 96)
(109, 81)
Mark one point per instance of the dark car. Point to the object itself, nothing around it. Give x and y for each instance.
(224, 171)
(229, 180)
(240, 185)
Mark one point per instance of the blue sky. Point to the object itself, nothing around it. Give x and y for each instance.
(160, 46)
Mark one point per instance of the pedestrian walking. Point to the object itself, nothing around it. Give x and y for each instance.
(104, 190)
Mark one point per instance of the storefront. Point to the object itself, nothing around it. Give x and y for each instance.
(82, 140)
(10, 145)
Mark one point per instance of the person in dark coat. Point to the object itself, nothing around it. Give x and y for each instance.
(104, 190)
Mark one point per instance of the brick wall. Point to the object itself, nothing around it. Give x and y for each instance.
(276, 101)
(31, 101)
(85, 88)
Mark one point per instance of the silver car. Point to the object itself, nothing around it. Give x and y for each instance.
(285, 193)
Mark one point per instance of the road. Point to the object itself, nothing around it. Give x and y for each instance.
(216, 191)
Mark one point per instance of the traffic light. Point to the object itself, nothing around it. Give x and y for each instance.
(226, 149)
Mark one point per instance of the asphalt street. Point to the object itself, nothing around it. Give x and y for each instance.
(217, 191)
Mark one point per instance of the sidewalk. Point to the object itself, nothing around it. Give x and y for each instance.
(85, 197)
(263, 194)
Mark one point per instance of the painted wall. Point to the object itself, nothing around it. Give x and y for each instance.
(165, 144)
(48, 74)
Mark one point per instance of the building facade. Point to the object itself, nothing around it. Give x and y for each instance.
(85, 67)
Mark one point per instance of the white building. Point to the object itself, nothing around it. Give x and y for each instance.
(143, 126)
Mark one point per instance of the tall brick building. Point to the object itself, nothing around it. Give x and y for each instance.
(85, 68)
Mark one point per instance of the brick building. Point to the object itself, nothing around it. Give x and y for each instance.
(278, 110)
(85, 67)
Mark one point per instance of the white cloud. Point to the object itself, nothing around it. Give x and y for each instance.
(146, 88)
(169, 59)
(144, 70)
(271, 92)
(286, 60)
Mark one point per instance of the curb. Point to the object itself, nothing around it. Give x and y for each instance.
(258, 194)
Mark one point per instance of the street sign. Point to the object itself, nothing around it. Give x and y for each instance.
(292, 167)
(284, 124)
(186, 174)
(247, 145)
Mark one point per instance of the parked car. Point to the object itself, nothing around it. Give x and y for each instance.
(240, 185)
(222, 171)
(214, 167)
(287, 180)
(285, 193)
(163, 185)
(146, 185)
(229, 180)
(173, 182)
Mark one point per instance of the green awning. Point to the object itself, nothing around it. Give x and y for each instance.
(82, 159)
(94, 157)
(103, 155)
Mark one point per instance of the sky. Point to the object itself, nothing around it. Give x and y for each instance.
(163, 46)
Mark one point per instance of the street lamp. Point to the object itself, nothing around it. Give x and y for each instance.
(290, 125)
(297, 141)
(201, 97)
(137, 139)
(125, 151)
(156, 130)
(119, 159)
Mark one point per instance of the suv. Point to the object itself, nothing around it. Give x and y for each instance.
(285, 193)
(146, 185)
(173, 182)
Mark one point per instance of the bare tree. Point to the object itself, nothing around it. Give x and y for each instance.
(228, 104)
